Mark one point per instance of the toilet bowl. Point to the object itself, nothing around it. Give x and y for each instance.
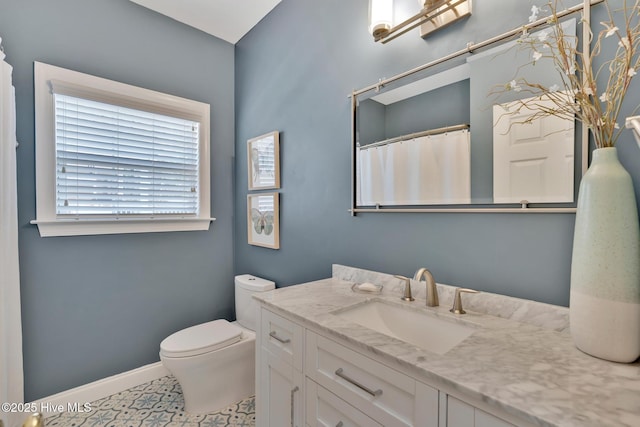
(214, 362)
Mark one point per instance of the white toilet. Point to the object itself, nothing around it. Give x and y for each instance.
(215, 362)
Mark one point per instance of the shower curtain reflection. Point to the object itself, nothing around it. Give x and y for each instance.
(429, 170)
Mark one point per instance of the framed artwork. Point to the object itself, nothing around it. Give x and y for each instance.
(263, 220)
(263, 161)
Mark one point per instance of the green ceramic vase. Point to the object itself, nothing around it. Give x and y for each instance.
(604, 304)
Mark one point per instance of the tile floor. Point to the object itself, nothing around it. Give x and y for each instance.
(157, 403)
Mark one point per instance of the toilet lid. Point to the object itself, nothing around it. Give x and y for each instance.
(201, 339)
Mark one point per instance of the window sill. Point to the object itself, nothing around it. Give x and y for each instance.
(87, 227)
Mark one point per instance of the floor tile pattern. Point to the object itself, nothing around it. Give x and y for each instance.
(158, 403)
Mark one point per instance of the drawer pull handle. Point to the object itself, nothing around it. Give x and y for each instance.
(274, 335)
(374, 393)
(340, 424)
(293, 402)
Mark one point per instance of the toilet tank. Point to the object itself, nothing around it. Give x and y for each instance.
(247, 307)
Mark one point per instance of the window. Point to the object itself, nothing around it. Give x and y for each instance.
(113, 158)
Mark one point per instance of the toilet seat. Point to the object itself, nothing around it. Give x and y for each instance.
(200, 339)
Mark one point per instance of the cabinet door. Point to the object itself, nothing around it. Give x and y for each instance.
(461, 414)
(281, 393)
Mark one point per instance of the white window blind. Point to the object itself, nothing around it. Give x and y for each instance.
(114, 158)
(113, 161)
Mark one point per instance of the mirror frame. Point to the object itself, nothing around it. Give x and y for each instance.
(585, 7)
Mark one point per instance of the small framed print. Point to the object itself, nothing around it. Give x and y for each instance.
(263, 220)
(263, 161)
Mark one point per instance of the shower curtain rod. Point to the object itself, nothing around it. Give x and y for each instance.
(416, 135)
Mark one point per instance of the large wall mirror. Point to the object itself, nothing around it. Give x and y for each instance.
(437, 138)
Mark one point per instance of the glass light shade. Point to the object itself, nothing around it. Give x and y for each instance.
(380, 16)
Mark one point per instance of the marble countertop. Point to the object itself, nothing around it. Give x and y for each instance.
(533, 372)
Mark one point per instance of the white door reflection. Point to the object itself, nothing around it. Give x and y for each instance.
(532, 161)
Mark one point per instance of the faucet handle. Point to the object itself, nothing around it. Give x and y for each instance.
(407, 288)
(457, 300)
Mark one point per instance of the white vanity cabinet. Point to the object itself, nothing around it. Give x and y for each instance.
(279, 377)
(307, 379)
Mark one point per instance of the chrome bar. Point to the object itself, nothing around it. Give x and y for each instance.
(472, 47)
(416, 135)
(354, 103)
(274, 335)
(374, 393)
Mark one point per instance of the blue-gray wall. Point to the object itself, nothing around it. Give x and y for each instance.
(95, 306)
(293, 74)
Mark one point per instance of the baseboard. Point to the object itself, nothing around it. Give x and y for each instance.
(75, 398)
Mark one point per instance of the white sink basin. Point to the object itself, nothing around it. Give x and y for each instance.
(421, 329)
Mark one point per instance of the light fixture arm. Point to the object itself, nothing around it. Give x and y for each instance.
(431, 10)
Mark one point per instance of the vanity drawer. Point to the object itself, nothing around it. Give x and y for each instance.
(326, 409)
(386, 395)
(283, 338)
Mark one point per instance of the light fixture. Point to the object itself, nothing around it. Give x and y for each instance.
(380, 17)
(434, 14)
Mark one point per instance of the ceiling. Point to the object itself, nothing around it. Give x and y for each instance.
(228, 20)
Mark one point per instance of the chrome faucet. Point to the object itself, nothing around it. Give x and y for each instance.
(432, 290)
